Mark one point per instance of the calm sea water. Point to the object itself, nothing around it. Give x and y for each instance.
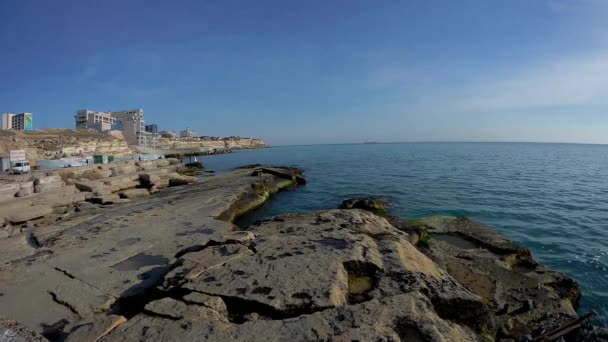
(551, 198)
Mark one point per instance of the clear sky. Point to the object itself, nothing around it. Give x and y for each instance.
(316, 71)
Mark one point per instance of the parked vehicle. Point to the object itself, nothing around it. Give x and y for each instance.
(21, 167)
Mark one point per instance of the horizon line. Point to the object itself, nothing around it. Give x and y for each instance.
(442, 142)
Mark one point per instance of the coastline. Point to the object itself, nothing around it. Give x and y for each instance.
(114, 271)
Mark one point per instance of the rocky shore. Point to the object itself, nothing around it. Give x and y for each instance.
(173, 267)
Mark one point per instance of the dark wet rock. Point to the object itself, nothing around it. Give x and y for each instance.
(374, 205)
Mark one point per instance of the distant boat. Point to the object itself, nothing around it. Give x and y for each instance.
(371, 142)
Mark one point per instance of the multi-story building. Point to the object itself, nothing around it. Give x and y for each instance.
(187, 133)
(132, 126)
(22, 121)
(99, 121)
(130, 122)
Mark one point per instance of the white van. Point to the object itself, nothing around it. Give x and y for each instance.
(21, 166)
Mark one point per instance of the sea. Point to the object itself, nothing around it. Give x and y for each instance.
(550, 198)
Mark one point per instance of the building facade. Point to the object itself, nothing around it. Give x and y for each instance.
(130, 122)
(22, 121)
(99, 121)
(152, 128)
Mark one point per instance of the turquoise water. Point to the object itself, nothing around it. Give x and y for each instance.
(551, 198)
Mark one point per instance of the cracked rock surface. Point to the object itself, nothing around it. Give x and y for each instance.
(336, 274)
(81, 269)
(171, 267)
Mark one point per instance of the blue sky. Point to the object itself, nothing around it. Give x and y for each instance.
(295, 72)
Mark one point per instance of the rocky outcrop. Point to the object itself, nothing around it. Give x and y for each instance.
(175, 267)
(228, 144)
(376, 206)
(57, 143)
(102, 184)
(522, 294)
(110, 260)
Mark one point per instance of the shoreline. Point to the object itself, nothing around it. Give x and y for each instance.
(107, 272)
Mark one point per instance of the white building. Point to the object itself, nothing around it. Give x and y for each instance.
(99, 121)
(130, 122)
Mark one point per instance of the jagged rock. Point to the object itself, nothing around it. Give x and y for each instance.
(214, 303)
(520, 292)
(376, 206)
(313, 262)
(192, 265)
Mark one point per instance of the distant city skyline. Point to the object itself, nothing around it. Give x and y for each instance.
(317, 71)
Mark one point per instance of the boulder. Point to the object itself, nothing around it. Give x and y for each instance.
(30, 213)
(48, 186)
(181, 180)
(373, 205)
(38, 180)
(59, 197)
(94, 174)
(8, 190)
(148, 179)
(26, 190)
(123, 169)
(132, 193)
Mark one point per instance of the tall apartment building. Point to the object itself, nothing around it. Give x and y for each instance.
(22, 121)
(99, 121)
(133, 126)
(130, 122)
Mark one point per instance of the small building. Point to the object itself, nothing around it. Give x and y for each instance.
(22, 121)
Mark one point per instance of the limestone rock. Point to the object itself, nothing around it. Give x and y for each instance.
(504, 275)
(132, 193)
(25, 191)
(30, 213)
(41, 179)
(376, 206)
(106, 199)
(95, 328)
(13, 331)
